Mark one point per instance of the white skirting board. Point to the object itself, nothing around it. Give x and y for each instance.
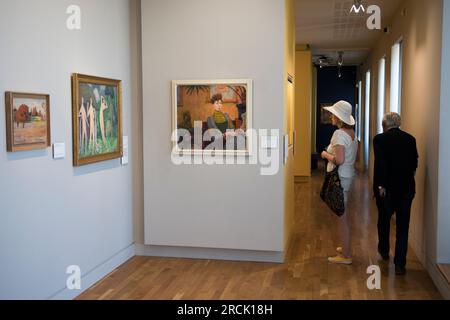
(209, 254)
(97, 274)
(439, 280)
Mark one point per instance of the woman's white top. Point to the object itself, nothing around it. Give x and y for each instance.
(342, 138)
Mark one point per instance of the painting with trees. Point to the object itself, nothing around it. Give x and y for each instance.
(27, 121)
(97, 125)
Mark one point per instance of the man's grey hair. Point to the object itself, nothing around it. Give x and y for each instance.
(392, 120)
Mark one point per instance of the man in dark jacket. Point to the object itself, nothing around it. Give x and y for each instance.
(396, 161)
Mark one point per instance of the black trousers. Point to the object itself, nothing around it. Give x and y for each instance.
(401, 206)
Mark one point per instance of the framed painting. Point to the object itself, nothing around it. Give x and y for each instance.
(219, 110)
(97, 119)
(27, 121)
(325, 115)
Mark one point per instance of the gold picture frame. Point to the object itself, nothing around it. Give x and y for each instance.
(96, 119)
(192, 103)
(27, 121)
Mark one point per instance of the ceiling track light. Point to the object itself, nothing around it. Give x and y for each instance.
(340, 60)
(357, 7)
(340, 63)
(322, 61)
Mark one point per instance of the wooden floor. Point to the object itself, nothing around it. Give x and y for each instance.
(306, 273)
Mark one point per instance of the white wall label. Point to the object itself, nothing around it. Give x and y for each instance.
(59, 150)
(124, 159)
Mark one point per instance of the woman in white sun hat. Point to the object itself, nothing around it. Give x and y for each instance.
(342, 152)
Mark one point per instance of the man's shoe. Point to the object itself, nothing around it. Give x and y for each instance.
(400, 271)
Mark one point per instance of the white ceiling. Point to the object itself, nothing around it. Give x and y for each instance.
(328, 27)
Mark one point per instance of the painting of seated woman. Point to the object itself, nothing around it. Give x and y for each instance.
(219, 111)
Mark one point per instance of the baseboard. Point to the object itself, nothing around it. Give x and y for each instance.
(436, 275)
(445, 271)
(96, 274)
(444, 260)
(439, 280)
(209, 254)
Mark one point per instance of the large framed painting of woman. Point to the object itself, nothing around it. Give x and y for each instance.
(97, 119)
(212, 116)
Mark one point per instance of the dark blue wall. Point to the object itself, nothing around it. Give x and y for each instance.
(331, 89)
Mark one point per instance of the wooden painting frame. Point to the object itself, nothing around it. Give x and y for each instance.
(247, 83)
(86, 80)
(11, 144)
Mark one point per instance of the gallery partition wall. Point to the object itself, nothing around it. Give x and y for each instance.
(56, 216)
(198, 223)
(443, 255)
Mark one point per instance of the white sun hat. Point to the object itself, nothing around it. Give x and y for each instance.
(342, 110)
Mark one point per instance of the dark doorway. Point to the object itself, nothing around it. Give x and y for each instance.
(330, 89)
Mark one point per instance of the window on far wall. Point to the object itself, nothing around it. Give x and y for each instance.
(359, 112)
(367, 120)
(396, 77)
(381, 90)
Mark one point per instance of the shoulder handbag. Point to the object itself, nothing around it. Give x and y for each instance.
(332, 192)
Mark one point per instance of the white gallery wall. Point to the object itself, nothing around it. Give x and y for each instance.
(53, 215)
(444, 146)
(219, 206)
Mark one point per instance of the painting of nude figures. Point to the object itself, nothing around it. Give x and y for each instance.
(97, 119)
(218, 110)
(27, 121)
